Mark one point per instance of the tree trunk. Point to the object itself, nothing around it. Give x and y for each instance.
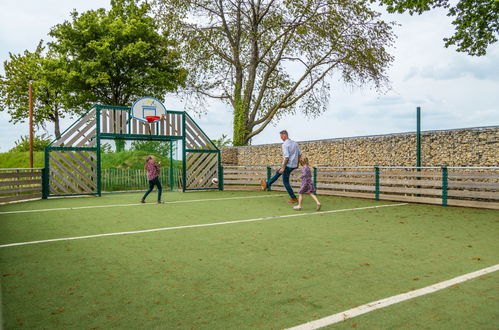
(57, 129)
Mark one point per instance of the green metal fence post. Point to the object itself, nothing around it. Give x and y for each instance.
(46, 177)
(184, 155)
(445, 176)
(221, 178)
(171, 166)
(44, 183)
(376, 189)
(268, 177)
(97, 133)
(315, 180)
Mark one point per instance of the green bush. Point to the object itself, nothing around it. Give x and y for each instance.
(39, 143)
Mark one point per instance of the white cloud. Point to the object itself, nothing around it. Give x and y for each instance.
(453, 89)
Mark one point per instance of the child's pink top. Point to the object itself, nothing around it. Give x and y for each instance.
(152, 169)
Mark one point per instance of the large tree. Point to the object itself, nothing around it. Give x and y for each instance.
(476, 21)
(48, 79)
(270, 58)
(116, 56)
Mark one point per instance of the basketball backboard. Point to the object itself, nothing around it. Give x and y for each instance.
(147, 106)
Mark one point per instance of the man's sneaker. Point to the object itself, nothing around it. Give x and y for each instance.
(293, 201)
(297, 208)
(318, 207)
(263, 184)
(142, 201)
(161, 202)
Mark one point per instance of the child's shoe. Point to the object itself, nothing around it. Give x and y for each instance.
(297, 208)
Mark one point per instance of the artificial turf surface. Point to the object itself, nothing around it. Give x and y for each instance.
(274, 274)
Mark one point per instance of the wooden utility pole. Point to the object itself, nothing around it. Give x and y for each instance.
(30, 92)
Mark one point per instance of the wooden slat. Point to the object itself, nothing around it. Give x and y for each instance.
(192, 139)
(19, 197)
(431, 183)
(359, 173)
(473, 175)
(411, 199)
(124, 126)
(179, 124)
(209, 172)
(477, 204)
(104, 128)
(20, 182)
(205, 141)
(34, 174)
(235, 182)
(63, 174)
(70, 133)
(168, 123)
(345, 194)
(87, 141)
(473, 194)
(83, 176)
(53, 181)
(345, 180)
(344, 187)
(401, 190)
(205, 164)
(81, 134)
(87, 159)
(20, 190)
(410, 174)
(476, 185)
(83, 166)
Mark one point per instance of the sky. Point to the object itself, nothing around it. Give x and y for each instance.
(454, 90)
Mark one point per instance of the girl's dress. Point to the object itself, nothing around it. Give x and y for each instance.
(307, 186)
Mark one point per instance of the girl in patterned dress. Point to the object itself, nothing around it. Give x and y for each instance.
(307, 186)
(152, 169)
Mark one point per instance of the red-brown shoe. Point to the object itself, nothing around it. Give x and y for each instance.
(293, 201)
(263, 184)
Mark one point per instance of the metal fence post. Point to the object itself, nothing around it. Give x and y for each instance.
(268, 177)
(445, 176)
(376, 180)
(315, 180)
(221, 179)
(45, 183)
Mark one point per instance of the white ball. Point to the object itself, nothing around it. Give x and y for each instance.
(214, 180)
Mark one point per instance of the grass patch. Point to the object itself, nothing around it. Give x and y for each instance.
(271, 274)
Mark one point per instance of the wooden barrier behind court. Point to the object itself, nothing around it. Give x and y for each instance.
(20, 184)
(457, 186)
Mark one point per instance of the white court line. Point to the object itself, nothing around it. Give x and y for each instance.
(369, 307)
(199, 225)
(137, 204)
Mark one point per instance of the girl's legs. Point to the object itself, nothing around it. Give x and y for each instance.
(160, 189)
(151, 187)
(316, 200)
(300, 199)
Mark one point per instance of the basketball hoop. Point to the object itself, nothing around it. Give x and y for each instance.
(151, 119)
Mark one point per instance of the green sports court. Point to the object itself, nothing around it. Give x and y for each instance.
(240, 260)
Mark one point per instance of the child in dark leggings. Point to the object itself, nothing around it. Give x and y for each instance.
(152, 169)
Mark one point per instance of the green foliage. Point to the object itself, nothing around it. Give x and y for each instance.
(223, 141)
(130, 159)
(239, 52)
(21, 159)
(120, 145)
(476, 21)
(39, 143)
(152, 147)
(48, 79)
(116, 56)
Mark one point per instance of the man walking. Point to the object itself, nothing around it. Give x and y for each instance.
(291, 153)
